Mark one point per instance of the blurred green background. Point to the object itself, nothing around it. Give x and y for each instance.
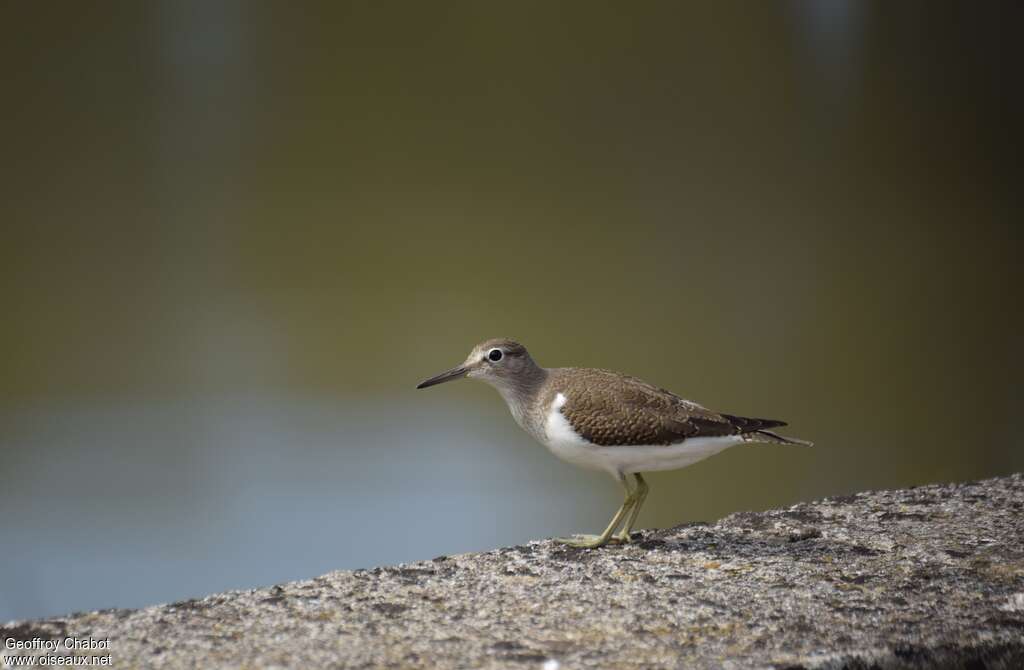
(236, 234)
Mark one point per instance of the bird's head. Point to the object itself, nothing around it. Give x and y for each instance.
(499, 362)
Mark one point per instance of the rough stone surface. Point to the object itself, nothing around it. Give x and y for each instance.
(918, 578)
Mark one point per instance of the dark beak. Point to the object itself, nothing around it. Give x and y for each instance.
(454, 373)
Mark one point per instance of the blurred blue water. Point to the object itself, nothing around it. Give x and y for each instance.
(134, 504)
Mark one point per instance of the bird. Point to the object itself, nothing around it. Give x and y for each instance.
(607, 421)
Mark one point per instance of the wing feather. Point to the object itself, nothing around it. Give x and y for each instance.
(607, 409)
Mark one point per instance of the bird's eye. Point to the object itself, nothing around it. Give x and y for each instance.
(494, 355)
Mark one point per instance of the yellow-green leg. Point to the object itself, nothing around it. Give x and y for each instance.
(593, 541)
(640, 492)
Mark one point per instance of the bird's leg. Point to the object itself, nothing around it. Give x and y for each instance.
(593, 541)
(641, 495)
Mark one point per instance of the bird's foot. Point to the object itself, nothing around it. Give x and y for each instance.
(587, 541)
(622, 537)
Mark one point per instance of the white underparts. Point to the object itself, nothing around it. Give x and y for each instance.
(568, 445)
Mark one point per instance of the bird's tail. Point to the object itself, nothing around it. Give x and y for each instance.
(774, 438)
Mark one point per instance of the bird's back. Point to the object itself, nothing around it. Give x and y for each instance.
(612, 409)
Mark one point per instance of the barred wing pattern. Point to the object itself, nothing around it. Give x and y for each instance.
(610, 409)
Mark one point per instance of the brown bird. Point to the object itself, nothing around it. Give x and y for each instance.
(608, 421)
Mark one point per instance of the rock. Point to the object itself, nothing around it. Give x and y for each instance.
(918, 578)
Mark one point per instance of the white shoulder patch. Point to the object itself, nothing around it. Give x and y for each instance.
(557, 427)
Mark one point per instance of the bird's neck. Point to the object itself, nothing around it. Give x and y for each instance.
(520, 394)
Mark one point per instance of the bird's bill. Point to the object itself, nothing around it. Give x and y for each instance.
(454, 373)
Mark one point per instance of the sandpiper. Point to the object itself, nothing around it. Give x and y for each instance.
(608, 421)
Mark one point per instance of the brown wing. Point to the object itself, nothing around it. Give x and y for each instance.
(607, 408)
